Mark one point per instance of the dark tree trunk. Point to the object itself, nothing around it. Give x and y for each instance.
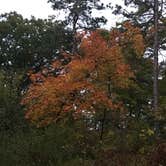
(75, 19)
(156, 49)
(102, 125)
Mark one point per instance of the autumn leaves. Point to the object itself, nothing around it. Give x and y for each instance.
(88, 81)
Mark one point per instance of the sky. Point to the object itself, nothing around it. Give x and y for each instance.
(42, 9)
(37, 8)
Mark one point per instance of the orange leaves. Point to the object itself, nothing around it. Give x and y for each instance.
(107, 57)
(56, 64)
(94, 46)
(81, 83)
(134, 36)
(79, 69)
(138, 44)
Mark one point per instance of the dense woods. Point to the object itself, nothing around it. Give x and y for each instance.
(73, 93)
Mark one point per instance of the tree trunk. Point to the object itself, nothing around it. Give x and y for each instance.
(156, 48)
(75, 19)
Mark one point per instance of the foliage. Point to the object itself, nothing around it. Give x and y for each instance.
(79, 16)
(80, 12)
(25, 43)
(11, 115)
(83, 85)
(91, 107)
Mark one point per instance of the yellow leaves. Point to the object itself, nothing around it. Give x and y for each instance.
(138, 44)
(150, 132)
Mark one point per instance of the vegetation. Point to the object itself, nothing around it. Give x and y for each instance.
(73, 93)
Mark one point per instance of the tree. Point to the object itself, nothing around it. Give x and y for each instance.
(149, 16)
(156, 49)
(86, 83)
(11, 115)
(160, 116)
(79, 15)
(25, 43)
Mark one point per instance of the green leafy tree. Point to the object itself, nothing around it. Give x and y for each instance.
(25, 43)
(11, 114)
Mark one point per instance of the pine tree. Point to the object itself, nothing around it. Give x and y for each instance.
(149, 15)
(79, 15)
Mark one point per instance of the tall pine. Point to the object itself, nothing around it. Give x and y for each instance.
(79, 15)
(149, 15)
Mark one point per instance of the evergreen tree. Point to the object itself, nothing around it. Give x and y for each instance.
(79, 15)
(150, 17)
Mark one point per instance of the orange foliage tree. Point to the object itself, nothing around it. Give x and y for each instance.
(86, 83)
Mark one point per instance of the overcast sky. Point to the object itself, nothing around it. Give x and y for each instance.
(41, 9)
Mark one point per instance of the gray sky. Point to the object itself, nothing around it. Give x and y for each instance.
(41, 9)
(38, 8)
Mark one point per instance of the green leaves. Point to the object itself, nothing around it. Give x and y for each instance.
(25, 43)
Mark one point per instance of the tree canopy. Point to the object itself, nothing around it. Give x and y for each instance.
(73, 93)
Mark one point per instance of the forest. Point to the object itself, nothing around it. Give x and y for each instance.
(75, 93)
